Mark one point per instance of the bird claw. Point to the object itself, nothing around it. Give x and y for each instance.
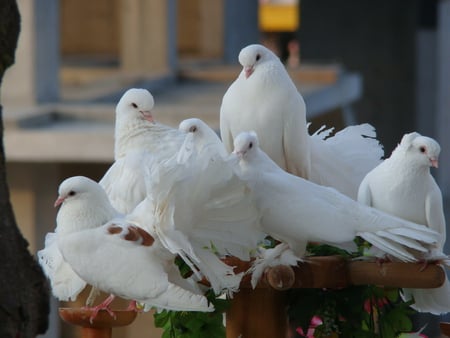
(102, 306)
(95, 310)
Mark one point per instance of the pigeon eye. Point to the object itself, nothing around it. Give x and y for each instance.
(71, 193)
(250, 145)
(134, 105)
(258, 56)
(423, 149)
(193, 129)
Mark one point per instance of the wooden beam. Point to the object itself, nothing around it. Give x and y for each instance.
(336, 272)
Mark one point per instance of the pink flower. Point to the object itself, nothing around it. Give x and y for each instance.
(315, 322)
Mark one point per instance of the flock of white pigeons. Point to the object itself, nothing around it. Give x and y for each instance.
(186, 192)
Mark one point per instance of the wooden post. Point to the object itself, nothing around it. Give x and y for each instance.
(101, 326)
(257, 313)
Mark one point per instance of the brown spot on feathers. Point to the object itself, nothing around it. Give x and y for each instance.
(134, 234)
(114, 229)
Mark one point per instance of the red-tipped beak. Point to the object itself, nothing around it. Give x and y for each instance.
(59, 200)
(248, 70)
(434, 162)
(147, 115)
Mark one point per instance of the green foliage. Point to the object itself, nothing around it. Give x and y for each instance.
(181, 324)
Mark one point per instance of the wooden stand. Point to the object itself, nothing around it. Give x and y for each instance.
(445, 328)
(101, 326)
(262, 312)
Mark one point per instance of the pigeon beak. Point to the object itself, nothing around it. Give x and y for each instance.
(147, 115)
(59, 201)
(239, 154)
(248, 70)
(434, 162)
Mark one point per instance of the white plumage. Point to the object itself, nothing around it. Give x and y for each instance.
(125, 183)
(200, 141)
(114, 254)
(403, 186)
(140, 142)
(136, 129)
(65, 283)
(264, 99)
(296, 211)
(205, 211)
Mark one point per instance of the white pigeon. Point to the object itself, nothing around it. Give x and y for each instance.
(200, 141)
(205, 210)
(118, 256)
(264, 98)
(65, 283)
(140, 142)
(135, 127)
(403, 186)
(296, 211)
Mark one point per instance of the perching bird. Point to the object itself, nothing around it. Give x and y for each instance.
(114, 254)
(296, 211)
(403, 186)
(65, 283)
(205, 210)
(139, 143)
(200, 140)
(264, 99)
(135, 127)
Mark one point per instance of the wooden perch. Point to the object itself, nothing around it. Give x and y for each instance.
(101, 326)
(336, 272)
(262, 312)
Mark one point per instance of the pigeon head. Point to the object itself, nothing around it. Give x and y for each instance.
(76, 188)
(252, 56)
(245, 143)
(420, 149)
(84, 204)
(192, 125)
(137, 103)
(198, 128)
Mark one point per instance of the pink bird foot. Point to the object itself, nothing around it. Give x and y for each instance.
(102, 306)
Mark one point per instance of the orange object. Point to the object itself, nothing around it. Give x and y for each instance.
(101, 326)
(278, 17)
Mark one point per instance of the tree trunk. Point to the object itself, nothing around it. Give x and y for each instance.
(24, 292)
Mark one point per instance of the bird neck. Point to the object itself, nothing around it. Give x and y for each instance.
(127, 136)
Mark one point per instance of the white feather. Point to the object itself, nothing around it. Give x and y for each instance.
(205, 211)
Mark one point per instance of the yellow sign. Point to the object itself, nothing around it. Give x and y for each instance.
(278, 17)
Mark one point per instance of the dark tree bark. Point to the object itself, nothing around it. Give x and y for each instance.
(24, 293)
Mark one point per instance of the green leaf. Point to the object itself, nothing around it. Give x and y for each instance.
(161, 319)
